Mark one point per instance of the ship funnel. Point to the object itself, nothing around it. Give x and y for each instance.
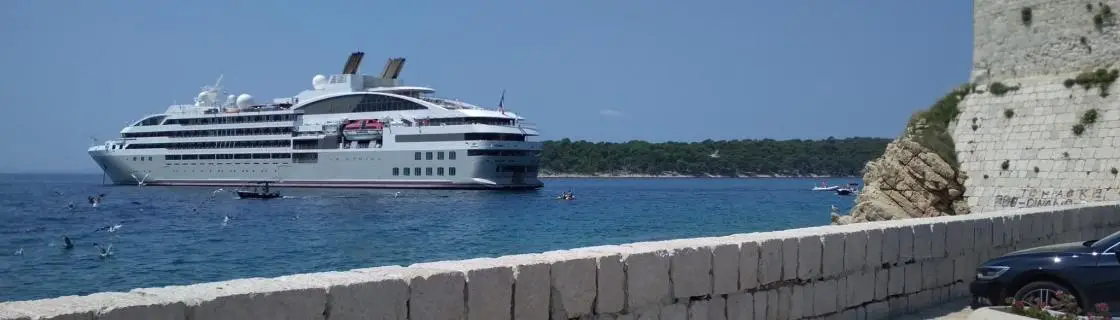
(393, 68)
(352, 63)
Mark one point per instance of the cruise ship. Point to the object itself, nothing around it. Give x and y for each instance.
(348, 131)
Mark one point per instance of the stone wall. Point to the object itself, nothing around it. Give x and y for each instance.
(868, 270)
(1019, 149)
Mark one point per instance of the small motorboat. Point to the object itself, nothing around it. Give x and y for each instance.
(851, 189)
(260, 192)
(825, 187)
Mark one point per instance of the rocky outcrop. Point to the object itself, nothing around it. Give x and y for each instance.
(917, 175)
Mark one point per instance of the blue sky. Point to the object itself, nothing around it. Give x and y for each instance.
(597, 70)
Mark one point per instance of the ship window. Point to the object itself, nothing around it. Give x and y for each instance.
(439, 156)
(417, 156)
(172, 157)
(242, 156)
(206, 156)
(133, 158)
(417, 170)
(451, 171)
(428, 155)
(397, 171)
(428, 171)
(407, 171)
(451, 155)
(439, 171)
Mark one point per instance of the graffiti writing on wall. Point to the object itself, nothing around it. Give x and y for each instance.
(1042, 197)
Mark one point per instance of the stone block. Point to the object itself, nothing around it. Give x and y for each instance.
(773, 304)
(691, 271)
(832, 254)
(905, 244)
(874, 250)
(532, 286)
(859, 288)
(785, 300)
(741, 305)
(945, 272)
(853, 314)
(717, 308)
(855, 251)
(940, 240)
(898, 306)
(955, 236)
(647, 277)
(435, 295)
(770, 268)
(808, 257)
(611, 294)
(726, 265)
(489, 286)
(674, 311)
(825, 297)
(9, 314)
(110, 305)
(801, 301)
(572, 279)
(377, 293)
(918, 301)
(790, 258)
(930, 274)
(698, 309)
(913, 276)
(255, 298)
(923, 241)
(878, 310)
(897, 276)
(891, 244)
(882, 284)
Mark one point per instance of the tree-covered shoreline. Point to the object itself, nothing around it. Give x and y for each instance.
(735, 158)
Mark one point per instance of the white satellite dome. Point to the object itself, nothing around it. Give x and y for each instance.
(244, 101)
(319, 82)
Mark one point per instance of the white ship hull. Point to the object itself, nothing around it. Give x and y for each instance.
(333, 169)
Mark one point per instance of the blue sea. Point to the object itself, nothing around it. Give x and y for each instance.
(178, 235)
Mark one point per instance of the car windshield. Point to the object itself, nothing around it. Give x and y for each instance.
(1107, 241)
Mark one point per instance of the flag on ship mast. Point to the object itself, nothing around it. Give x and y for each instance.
(501, 102)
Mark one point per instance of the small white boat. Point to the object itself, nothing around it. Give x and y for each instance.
(823, 188)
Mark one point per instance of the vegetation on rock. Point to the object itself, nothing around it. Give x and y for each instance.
(999, 89)
(1104, 17)
(1114, 171)
(836, 157)
(1035, 169)
(1100, 78)
(932, 126)
(1078, 129)
(1025, 15)
(1008, 113)
(1089, 117)
(1005, 164)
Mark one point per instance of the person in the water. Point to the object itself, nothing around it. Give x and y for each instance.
(67, 245)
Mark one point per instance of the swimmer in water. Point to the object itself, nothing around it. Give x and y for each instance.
(68, 245)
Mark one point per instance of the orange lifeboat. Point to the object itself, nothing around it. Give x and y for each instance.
(362, 130)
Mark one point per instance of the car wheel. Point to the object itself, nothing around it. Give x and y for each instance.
(1043, 291)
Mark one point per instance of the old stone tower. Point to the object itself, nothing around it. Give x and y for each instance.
(1053, 136)
(1036, 124)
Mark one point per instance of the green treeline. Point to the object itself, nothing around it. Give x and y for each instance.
(834, 157)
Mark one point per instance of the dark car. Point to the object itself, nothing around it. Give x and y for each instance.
(1089, 270)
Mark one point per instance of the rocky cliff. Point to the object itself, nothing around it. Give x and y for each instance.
(917, 175)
